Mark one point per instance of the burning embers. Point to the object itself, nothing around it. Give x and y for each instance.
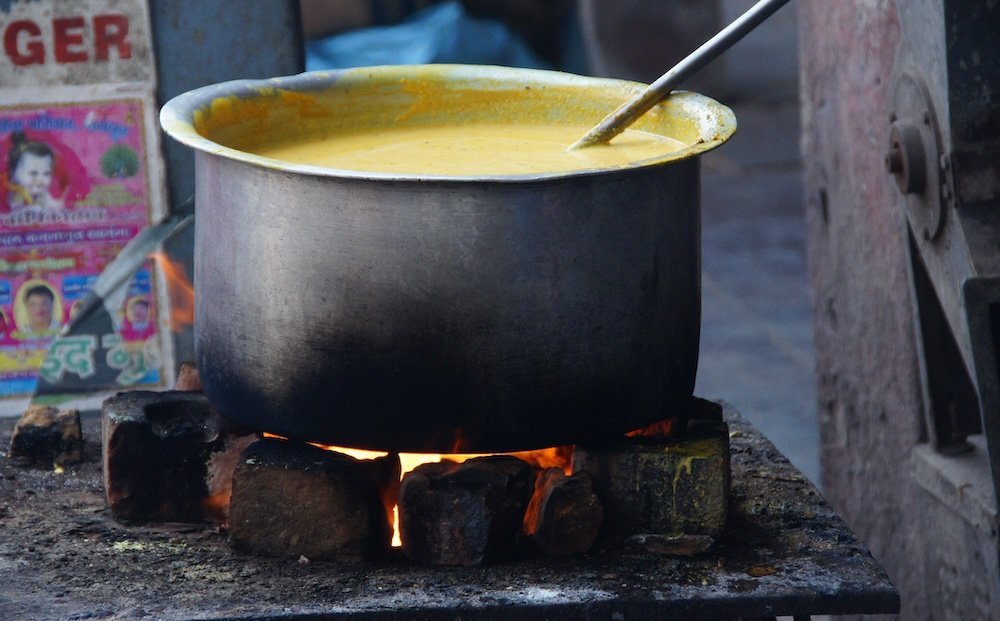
(167, 456)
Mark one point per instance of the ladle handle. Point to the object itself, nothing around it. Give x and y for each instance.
(616, 122)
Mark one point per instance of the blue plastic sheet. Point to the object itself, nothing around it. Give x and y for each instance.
(442, 33)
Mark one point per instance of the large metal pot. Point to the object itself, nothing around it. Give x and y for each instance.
(423, 313)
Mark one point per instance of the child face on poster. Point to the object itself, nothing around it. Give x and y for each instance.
(38, 302)
(31, 165)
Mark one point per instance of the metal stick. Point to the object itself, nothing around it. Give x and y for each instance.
(616, 122)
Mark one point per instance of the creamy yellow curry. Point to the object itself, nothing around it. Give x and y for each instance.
(469, 149)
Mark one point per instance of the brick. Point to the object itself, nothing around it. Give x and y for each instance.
(296, 500)
(188, 379)
(156, 449)
(565, 514)
(465, 514)
(670, 545)
(652, 485)
(45, 436)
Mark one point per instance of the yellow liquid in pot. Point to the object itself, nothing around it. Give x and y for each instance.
(479, 149)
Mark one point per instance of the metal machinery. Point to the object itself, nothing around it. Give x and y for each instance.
(943, 146)
(910, 418)
(944, 142)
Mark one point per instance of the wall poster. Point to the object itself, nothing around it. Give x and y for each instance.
(80, 176)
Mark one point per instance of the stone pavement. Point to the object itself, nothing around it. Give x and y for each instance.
(757, 327)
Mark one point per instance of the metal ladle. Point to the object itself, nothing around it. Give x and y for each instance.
(616, 122)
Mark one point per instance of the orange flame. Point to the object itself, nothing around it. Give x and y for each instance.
(666, 428)
(180, 289)
(555, 457)
(216, 507)
(534, 511)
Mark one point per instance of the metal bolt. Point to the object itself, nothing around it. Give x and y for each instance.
(906, 159)
(894, 158)
(946, 191)
(927, 117)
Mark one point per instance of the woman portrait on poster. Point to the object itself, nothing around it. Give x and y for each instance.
(37, 310)
(39, 174)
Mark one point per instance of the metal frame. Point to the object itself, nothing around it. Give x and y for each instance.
(946, 121)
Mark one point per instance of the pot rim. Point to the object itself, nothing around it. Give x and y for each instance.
(716, 122)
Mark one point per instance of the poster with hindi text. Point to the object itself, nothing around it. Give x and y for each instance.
(77, 184)
(80, 175)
